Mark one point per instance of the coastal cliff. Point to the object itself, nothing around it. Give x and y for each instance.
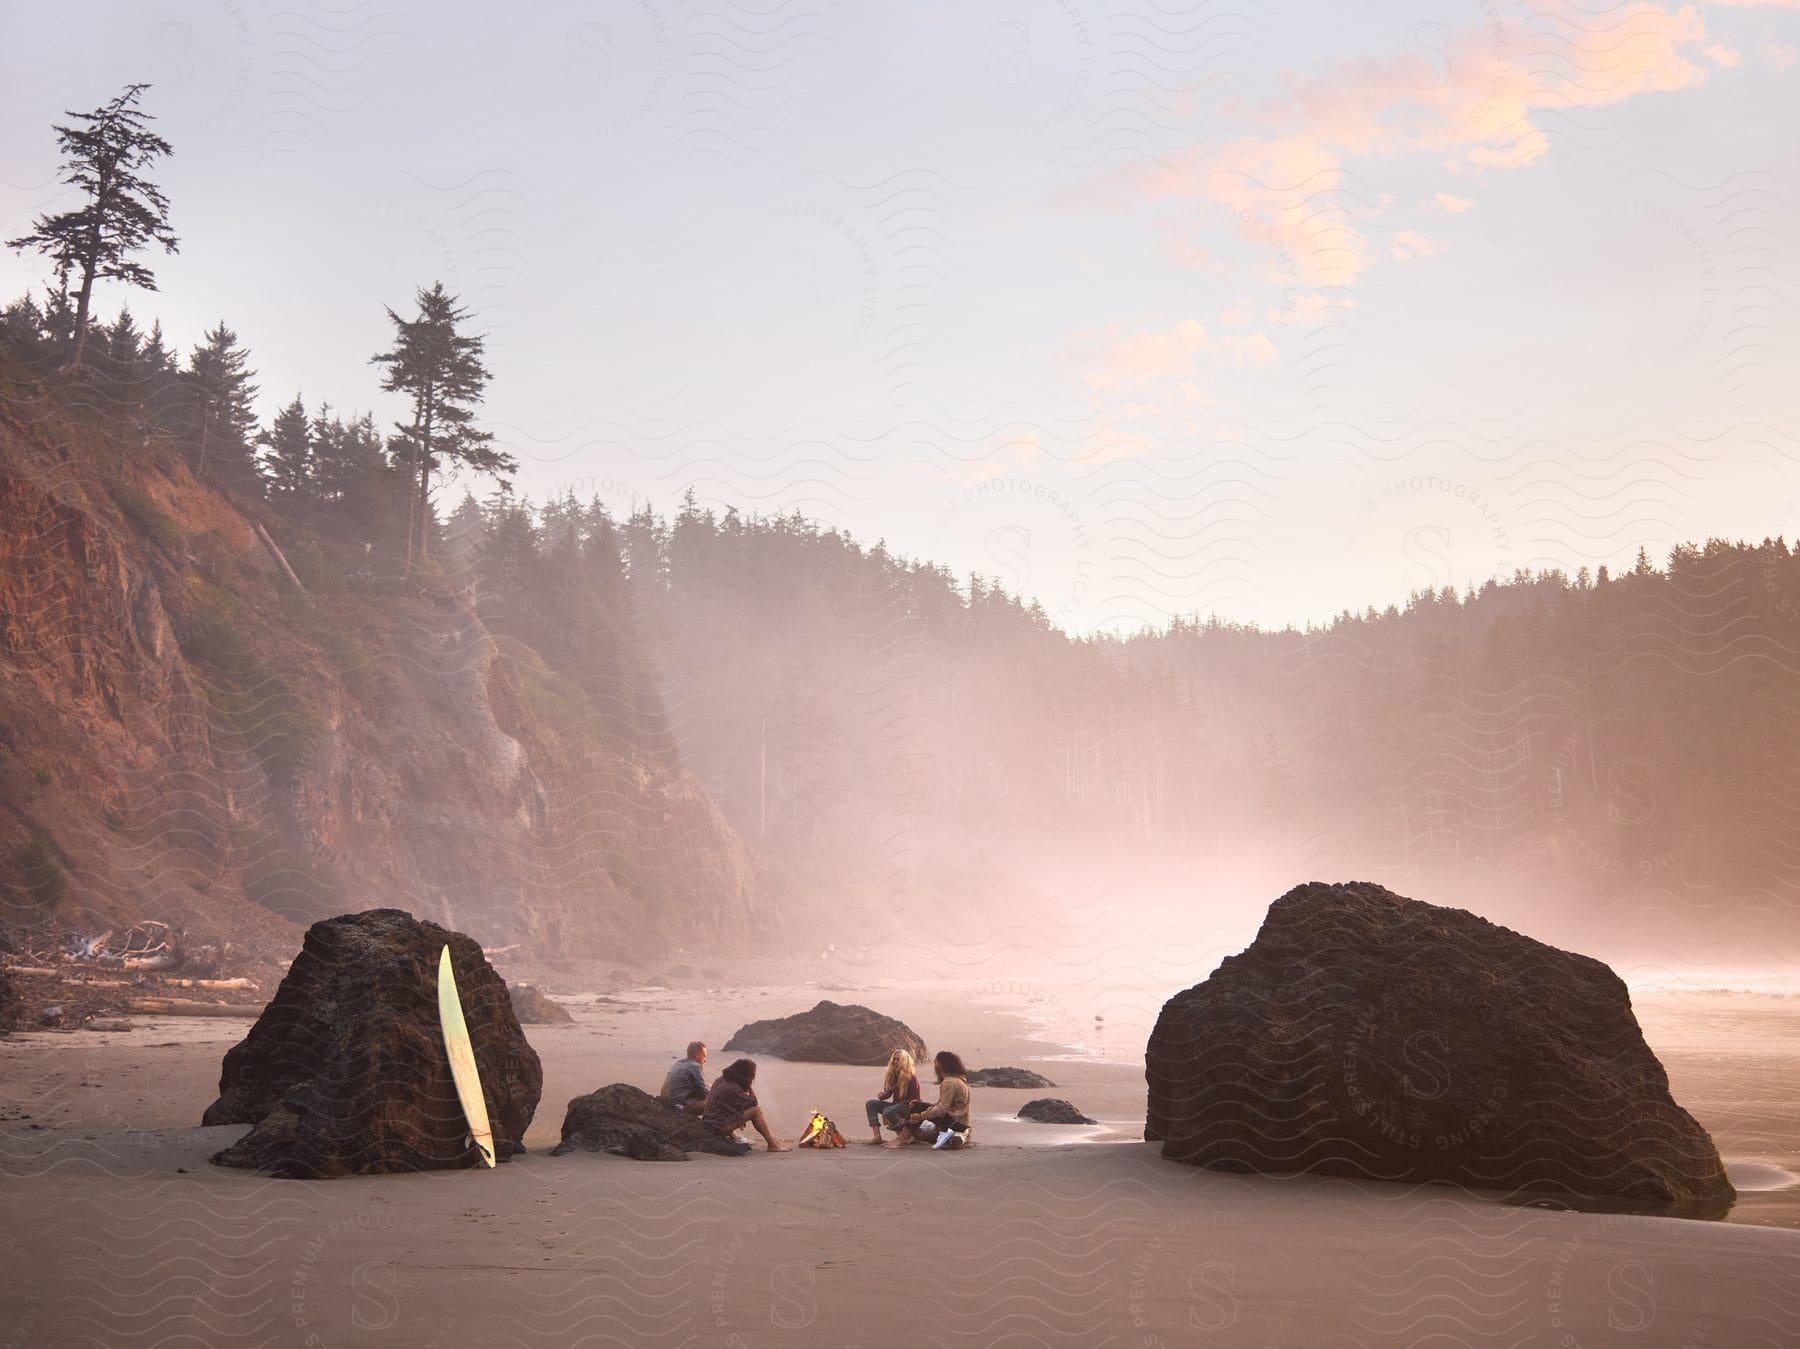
(213, 717)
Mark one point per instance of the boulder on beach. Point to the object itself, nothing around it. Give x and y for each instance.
(1051, 1110)
(1019, 1079)
(1365, 1034)
(534, 1007)
(630, 1121)
(345, 1072)
(830, 1033)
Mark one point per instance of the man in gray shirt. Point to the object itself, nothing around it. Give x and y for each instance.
(685, 1086)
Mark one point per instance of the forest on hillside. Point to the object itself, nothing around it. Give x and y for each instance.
(1600, 738)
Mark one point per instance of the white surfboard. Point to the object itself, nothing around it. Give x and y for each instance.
(462, 1059)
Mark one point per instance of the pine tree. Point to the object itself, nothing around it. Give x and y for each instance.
(440, 368)
(156, 354)
(124, 363)
(510, 548)
(22, 328)
(123, 213)
(289, 459)
(216, 410)
(465, 533)
(324, 439)
(645, 540)
(124, 343)
(350, 474)
(59, 313)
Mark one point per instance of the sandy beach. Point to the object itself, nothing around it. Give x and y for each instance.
(119, 1233)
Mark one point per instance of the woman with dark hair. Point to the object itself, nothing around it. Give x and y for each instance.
(947, 1118)
(732, 1104)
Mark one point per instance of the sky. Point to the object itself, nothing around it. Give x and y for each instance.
(1142, 309)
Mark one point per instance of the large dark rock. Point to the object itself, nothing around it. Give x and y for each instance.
(1018, 1079)
(345, 1071)
(534, 1007)
(830, 1033)
(630, 1121)
(1050, 1110)
(1364, 1034)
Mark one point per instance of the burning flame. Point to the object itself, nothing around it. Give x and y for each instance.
(821, 1133)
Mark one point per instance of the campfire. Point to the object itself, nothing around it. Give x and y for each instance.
(821, 1133)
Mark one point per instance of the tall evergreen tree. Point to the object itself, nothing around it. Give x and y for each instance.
(509, 549)
(124, 210)
(59, 313)
(22, 328)
(124, 362)
(288, 462)
(216, 410)
(369, 497)
(156, 352)
(124, 343)
(440, 369)
(466, 533)
(645, 539)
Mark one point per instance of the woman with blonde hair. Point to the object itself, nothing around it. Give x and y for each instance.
(899, 1090)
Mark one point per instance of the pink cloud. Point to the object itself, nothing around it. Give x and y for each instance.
(1158, 357)
(1454, 205)
(1285, 185)
(1495, 76)
(1409, 244)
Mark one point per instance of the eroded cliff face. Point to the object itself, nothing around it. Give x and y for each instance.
(188, 737)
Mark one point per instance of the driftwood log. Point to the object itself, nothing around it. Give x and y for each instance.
(188, 1007)
(269, 543)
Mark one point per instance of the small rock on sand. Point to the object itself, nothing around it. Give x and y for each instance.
(1022, 1079)
(534, 1007)
(1051, 1110)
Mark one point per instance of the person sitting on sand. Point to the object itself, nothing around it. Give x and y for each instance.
(949, 1114)
(899, 1093)
(685, 1085)
(732, 1104)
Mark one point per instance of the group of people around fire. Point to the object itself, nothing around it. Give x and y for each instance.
(729, 1103)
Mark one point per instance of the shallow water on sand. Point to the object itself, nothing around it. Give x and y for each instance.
(1734, 1064)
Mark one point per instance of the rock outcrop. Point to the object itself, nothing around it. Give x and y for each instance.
(345, 1071)
(630, 1121)
(1051, 1110)
(1365, 1034)
(1012, 1079)
(534, 1007)
(830, 1033)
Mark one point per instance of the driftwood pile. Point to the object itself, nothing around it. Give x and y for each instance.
(63, 978)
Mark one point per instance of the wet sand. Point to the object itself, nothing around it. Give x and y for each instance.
(119, 1233)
